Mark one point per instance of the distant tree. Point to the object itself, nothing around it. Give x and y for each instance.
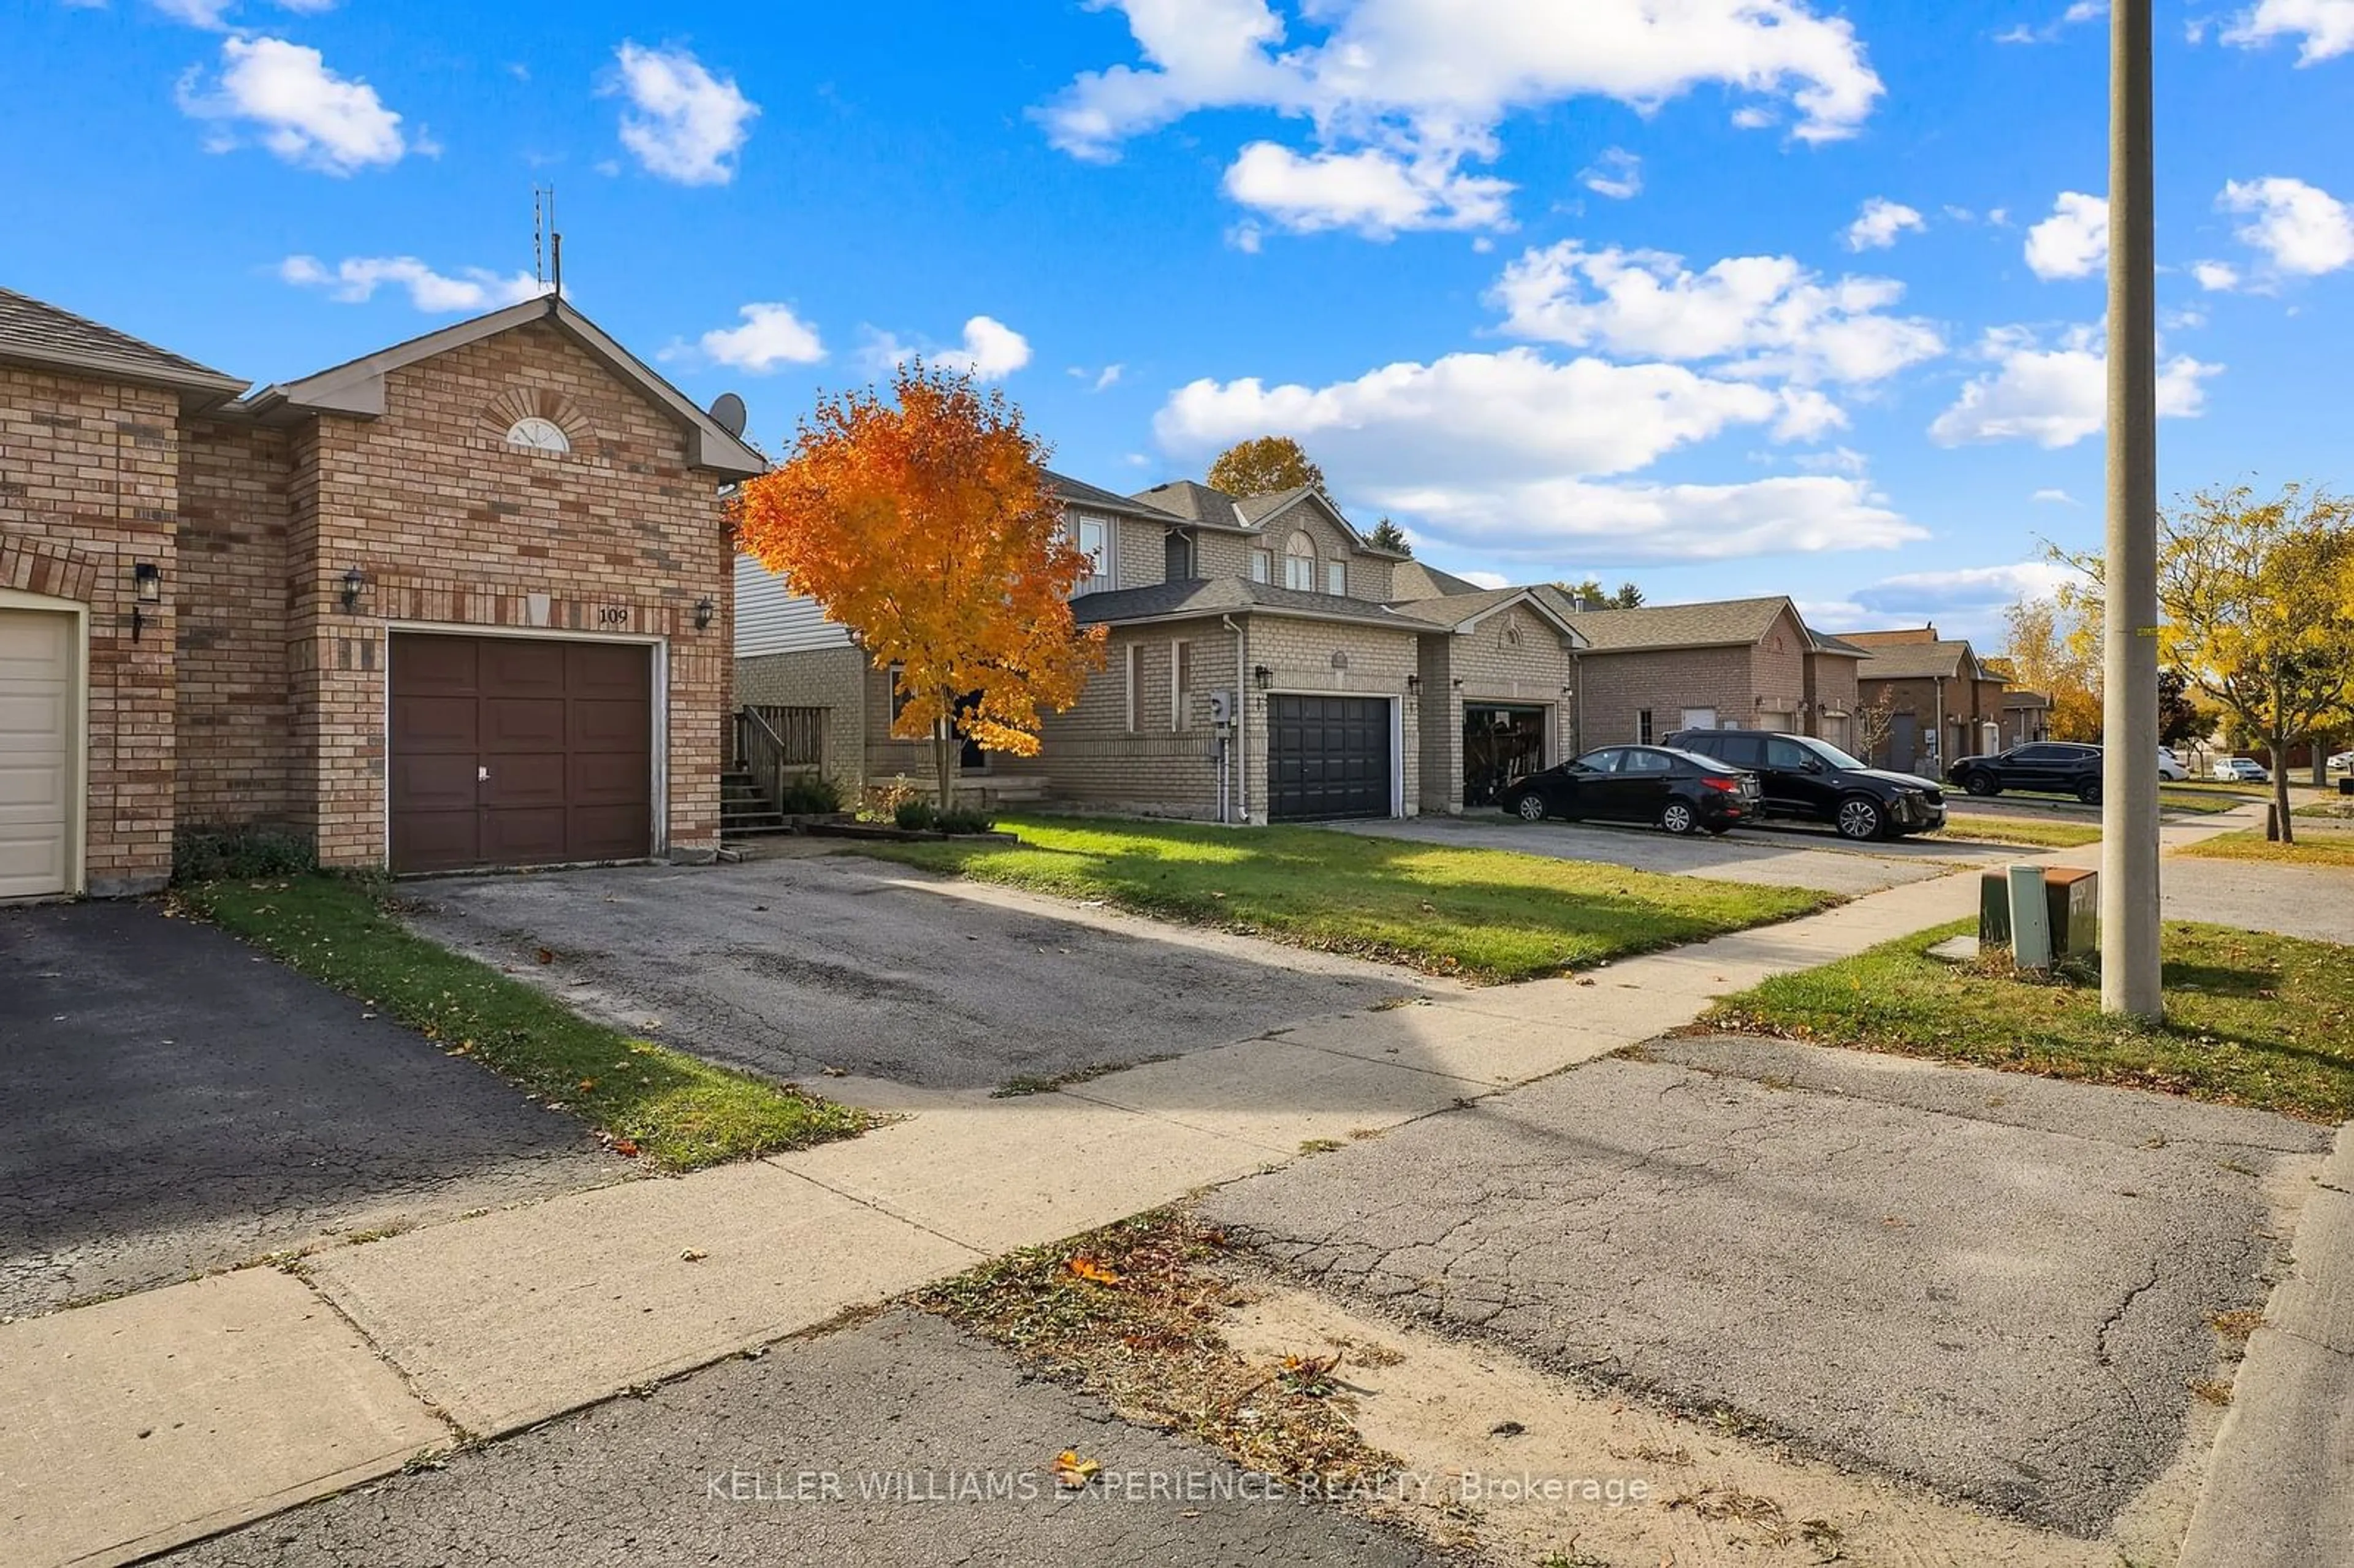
(925, 526)
(1872, 724)
(1590, 591)
(2255, 611)
(1264, 465)
(2181, 721)
(2048, 650)
(1388, 535)
(1628, 596)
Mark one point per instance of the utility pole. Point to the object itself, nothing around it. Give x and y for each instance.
(2129, 871)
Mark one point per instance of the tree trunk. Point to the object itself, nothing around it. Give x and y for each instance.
(2279, 755)
(944, 754)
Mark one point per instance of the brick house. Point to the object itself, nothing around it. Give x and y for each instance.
(1264, 662)
(1943, 701)
(1749, 663)
(462, 602)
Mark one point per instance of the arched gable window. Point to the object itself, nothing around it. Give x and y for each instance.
(1299, 562)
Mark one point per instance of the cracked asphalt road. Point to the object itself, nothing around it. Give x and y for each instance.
(790, 967)
(1996, 1285)
(181, 1102)
(631, 1480)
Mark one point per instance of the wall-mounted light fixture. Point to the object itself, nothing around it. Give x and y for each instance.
(146, 587)
(704, 610)
(1414, 684)
(1339, 659)
(354, 581)
(1264, 676)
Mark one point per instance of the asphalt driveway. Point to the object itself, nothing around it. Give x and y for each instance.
(179, 1103)
(1996, 1285)
(855, 976)
(1782, 857)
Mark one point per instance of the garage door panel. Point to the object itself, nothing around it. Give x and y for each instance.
(561, 731)
(1328, 757)
(37, 774)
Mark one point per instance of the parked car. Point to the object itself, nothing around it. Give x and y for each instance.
(2043, 767)
(2342, 763)
(1811, 780)
(2240, 770)
(2169, 766)
(1682, 792)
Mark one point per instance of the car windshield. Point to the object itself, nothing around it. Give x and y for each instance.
(1831, 753)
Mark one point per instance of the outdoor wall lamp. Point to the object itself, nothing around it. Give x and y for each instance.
(146, 587)
(1264, 676)
(354, 581)
(1414, 684)
(704, 610)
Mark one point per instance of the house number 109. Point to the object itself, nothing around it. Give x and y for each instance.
(612, 615)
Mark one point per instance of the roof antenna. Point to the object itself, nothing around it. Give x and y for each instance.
(547, 244)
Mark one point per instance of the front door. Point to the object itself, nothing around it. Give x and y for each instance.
(1904, 743)
(519, 751)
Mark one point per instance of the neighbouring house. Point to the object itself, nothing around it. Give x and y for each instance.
(464, 602)
(1942, 701)
(1747, 663)
(1265, 663)
(2025, 716)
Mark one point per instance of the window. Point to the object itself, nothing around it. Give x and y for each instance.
(899, 693)
(1605, 761)
(1739, 750)
(1262, 565)
(1180, 684)
(1787, 754)
(1176, 557)
(537, 434)
(1336, 576)
(1093, 537)
(1644, 762)
(1643, 726)
(1135, 682)
(1299, 562)
(1699, 718)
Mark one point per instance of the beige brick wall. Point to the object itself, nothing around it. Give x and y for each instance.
(834, 678)
(1299, 657)
(235, 700)
(1166, 763)
(1831, 696)
(88, 487)
(452, 527)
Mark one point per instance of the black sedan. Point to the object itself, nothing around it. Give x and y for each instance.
(2044, 767)
(1682, 792)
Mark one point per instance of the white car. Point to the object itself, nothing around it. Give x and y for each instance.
(2169, 766)
(2342, 763)
(2240, 770)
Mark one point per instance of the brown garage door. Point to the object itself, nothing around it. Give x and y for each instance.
(510, 751)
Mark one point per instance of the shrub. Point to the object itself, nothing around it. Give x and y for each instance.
(206, 854)
(964, 820)
(809, 794)
(915, 815)
(881, 802)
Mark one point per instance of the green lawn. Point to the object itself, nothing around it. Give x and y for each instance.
(2251, 1019)
(2341, 806)
(2037, 833)
(2316, 846)
(1486, 915)
(2204, 800)
(673, 1109)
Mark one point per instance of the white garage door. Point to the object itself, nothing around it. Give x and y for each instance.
(37, 774)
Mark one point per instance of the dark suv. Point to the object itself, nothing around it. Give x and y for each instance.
(2043, 767)
(1812, 780)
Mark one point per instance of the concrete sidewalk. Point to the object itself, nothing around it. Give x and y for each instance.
(487, 1324)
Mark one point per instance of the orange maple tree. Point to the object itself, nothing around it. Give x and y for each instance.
(925, 524)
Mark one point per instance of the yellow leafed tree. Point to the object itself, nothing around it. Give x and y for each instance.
(925, 524)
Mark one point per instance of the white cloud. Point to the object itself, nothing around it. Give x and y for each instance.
(2215, 277)
(1760, 315)
(213, 14)
(2054, 396)
(1509, 455)
(1617, 174)
(2325, 27)
(992, 351)
(1482, 579)
(2053, 498)
(2082, 11)
(769, 337)
(298, 109)
(1109, 378)
(683, 123)
(2301, 229)
(1976, 593)
(1371, 192)
(355, 278)
(2073, 242)
(1425, 84)
(1838, 460)
(1878, 224)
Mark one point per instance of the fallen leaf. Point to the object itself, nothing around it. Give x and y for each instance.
(1095, 1273)
(693, 1254)
(1073, 1471)
(546, 956)
(626, 1147)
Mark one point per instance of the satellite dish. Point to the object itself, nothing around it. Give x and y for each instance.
(728, 411)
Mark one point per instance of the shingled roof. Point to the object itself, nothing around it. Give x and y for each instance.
(1457, 610)
(1229, 596)
(1079, 493)
(33, 332)
(1917, 661)
(1722, 623)
(1196, 504)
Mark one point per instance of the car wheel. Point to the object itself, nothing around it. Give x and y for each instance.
(1531, 807)
(1859, 819)
(1980, 784)
(1679, 818)
(2089, 793)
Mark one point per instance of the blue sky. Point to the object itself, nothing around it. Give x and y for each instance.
(1724, 296)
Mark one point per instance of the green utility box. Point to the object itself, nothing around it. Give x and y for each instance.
(2073, 897)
